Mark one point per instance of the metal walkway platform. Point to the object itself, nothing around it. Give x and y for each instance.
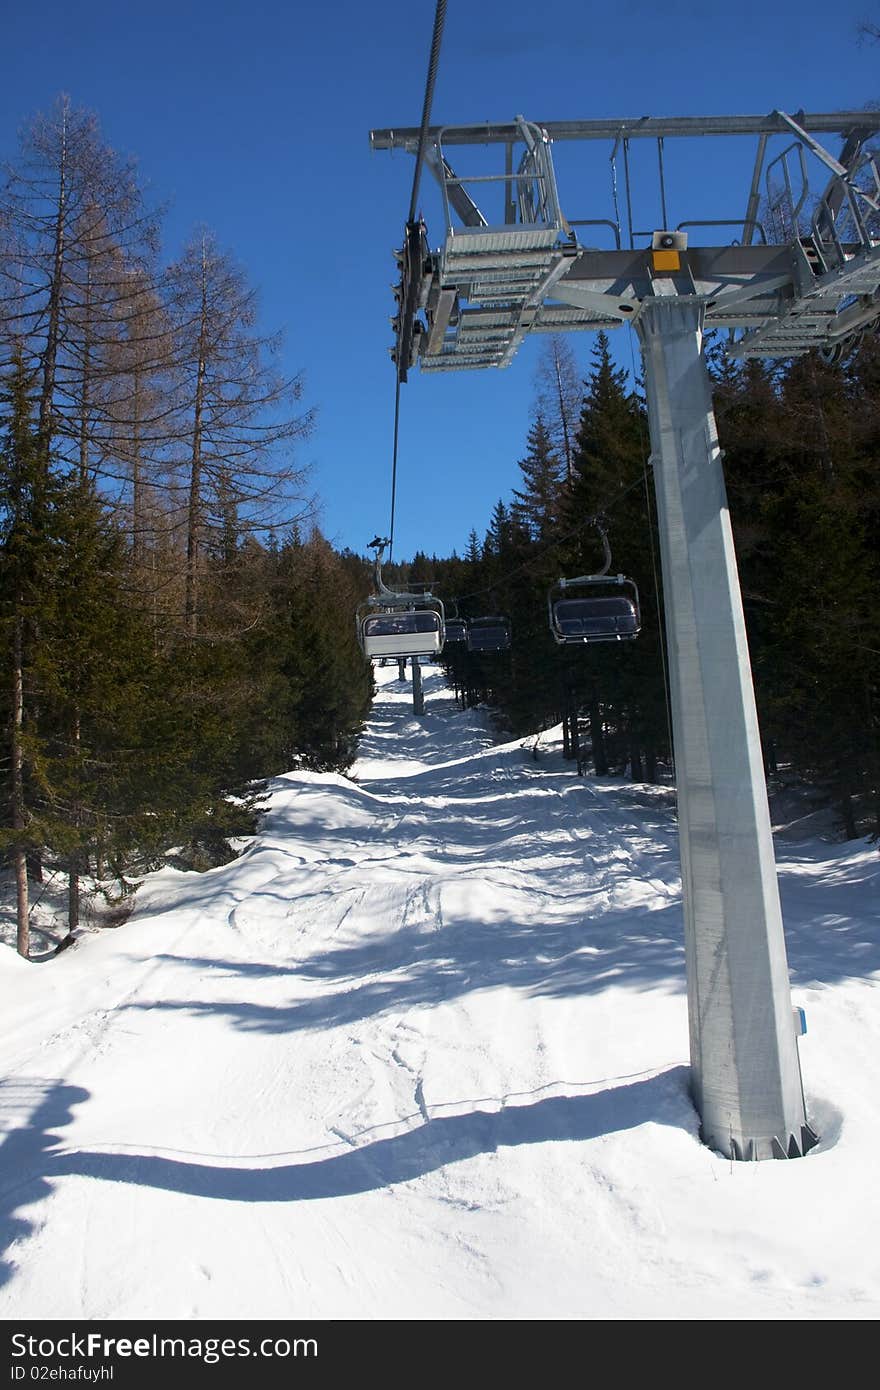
(816, 314)
(490, 290)
(814, 282)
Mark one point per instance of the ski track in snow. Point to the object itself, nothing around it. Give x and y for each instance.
(422, 1052)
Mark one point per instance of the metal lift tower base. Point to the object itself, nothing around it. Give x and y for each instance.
(745, 1067)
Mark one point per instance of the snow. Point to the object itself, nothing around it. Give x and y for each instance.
(421, 1051)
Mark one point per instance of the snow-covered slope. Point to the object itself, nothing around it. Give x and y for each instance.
(421, 1052)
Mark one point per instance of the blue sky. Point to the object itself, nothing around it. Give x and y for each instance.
(253, 118)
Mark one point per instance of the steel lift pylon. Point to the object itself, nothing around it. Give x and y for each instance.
(802, 272)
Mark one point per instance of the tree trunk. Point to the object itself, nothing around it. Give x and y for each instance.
(563, 416)
(53, 324)
(569, 719)
(635, 760)
(18, 811)
(597, 736)
(576, 739)
(847, 811)
(73, 898)
(75, 860)
(86, 386)
(138, 521)
(192, 526)
(22, 906)
(195, 477)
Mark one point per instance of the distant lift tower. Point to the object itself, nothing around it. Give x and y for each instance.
(803, 272)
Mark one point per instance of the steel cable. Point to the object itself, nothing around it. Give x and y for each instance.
(433, 61)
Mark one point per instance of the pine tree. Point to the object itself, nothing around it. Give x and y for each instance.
(536, 506)
(329, 683)
(25, 581)
(800, 445)
(622, 684)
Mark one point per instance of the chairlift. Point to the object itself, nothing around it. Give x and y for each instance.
(401, 631)
(456, 630)
(488, 634)
(599, 617)
(456, 625)
(608, 612)
(399, 625)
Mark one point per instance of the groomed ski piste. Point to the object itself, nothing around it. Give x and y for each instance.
(421, 1052)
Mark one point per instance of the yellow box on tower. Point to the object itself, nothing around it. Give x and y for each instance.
(666, 249)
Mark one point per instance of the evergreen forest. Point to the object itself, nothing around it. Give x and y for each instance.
(160, 569)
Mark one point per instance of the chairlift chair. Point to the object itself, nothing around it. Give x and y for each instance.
(399, 625)
(456, 630)
(456, 626)
(488, 634)
(401, 630)
(598, 615)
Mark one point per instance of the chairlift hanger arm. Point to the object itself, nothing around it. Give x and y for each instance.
(390, 597)
(599, 523)
(380, 544)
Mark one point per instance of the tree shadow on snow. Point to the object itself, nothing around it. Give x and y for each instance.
(31, 1111)
(408, 968)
